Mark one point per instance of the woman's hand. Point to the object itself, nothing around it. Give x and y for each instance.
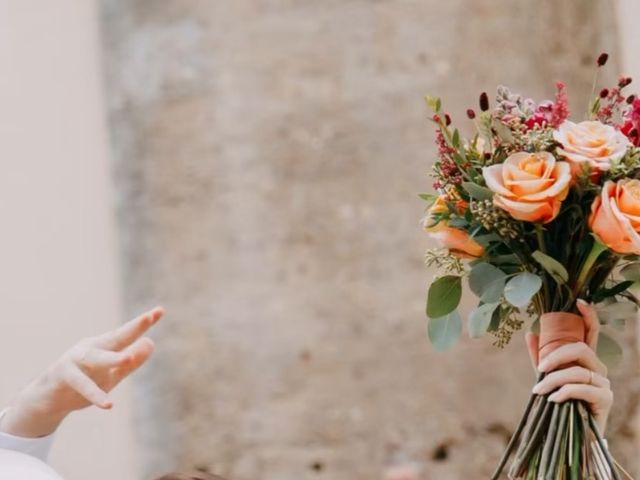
(586, 381)
(82, 377)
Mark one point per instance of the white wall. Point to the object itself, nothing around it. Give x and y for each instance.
(58, 275)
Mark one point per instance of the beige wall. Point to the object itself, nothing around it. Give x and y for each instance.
(57, 256)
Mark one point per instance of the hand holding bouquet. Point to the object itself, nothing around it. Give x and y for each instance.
(537, 212)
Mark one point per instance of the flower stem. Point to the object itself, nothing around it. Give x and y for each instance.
(542, 246)
(595, 252)
(517, 433)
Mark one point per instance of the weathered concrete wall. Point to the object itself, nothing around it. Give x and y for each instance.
(268, 154)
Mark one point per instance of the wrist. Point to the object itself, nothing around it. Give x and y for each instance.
(32, 414)
(28, 422)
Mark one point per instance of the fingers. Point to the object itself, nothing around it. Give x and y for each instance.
(94, 358)
(86, 387)
(601, 398)
(130, 331)
(591, 321)
(572, 375)
(138, 353)
(579, 353)
(533, 343)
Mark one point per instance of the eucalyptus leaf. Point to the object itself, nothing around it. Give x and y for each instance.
(631, 272)
(609, 351)
(617, 311)
(487, 282)
(444, 331)
(520, 289)
(444, 296)
(477, 191)
(480, 319)
(552, 266)
(618, 324)
(458, 222)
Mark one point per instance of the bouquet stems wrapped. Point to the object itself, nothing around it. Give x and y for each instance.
(537, 212)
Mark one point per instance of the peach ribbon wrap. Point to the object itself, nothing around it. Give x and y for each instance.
(558, 329)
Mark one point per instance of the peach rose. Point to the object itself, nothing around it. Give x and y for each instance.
(457, 241)
(615, 216)
(592, 144)
(530, 186)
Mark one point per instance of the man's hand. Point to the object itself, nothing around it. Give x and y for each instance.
(82, 377)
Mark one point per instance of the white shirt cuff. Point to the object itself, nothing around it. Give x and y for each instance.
(36, 447)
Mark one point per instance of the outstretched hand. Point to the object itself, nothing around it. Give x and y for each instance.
(586, 380)
(82, 377)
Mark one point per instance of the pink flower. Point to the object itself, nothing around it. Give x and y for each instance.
(542, 116)
(560, 108)
(551, 113)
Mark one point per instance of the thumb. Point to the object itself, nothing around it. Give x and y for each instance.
(533, 342)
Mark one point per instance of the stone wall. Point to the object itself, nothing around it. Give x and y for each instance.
(267, 159)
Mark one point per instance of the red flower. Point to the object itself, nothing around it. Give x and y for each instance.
(631, 126)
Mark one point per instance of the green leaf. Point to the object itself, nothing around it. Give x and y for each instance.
(631, 272)
(507, 259)
(496, 320)
(486, 239)
(609, 351)
(603, 293)
(521, 289)
(503, 131)
(477, 191)
(456, 138)
(428, 197)
(535, 326)
(596, 250)
(444, 331)
(433, 103)
(480, 319)
(552, 266)
(487, 282)
(483, 124)
(444, 296)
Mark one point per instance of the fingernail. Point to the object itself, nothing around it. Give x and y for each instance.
(542, 366)
(536, 388)
(581, 301)
(553, 397)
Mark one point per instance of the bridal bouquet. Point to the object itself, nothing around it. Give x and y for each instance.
(536, 211)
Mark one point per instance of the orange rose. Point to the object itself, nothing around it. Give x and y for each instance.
(530, 186)
(457, 241)
(592, 144)
(615, 216)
